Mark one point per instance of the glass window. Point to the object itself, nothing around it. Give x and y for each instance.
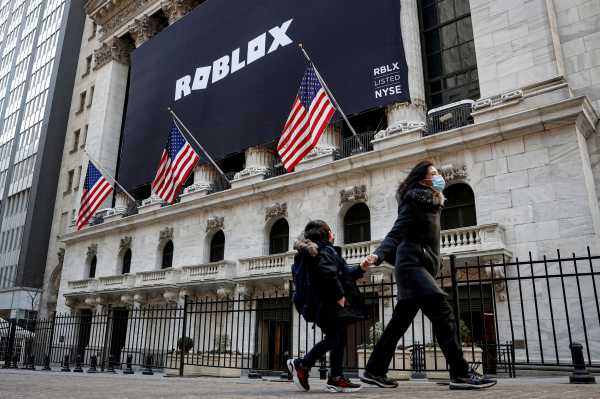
(217, 247)
(167, 258)
(92, 273)
(357, 224)
(448, 51)
(279, 237)
(459, 210)
(127, 262)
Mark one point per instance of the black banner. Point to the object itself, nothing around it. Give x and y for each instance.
(231, 70)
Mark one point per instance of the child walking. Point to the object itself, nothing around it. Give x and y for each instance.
(334, 302)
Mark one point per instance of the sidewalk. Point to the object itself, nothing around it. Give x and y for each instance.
(55, 385)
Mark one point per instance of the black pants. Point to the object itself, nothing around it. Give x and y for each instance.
(437, 309)
(334, 341)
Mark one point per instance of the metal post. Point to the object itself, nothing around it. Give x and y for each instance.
(129, 369)
(580, 374)
(455, 299)
(11, 343)
(106, 331)
(183, 336)
(65, 366)
(48, 357)
(93, 364)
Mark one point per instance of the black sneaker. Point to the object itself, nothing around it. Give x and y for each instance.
(299, 373)
(473, 381)
(381, 381)
(342, 384)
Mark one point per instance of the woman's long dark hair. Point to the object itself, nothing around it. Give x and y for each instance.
(418, 173)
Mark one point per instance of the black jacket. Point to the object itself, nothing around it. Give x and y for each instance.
(413, 244)
(332, 280)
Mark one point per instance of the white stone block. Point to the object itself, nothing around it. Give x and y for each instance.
(528, 160)
(537, 231)
(511, 181)
(514, 216)
(315, 161)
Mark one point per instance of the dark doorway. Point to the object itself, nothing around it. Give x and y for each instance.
(217, 247)
(272, 341)
(459, 209)
(167, 258)
(126, 262)
(118, 334)
(279, 238)
(357, 224)
(85, 330)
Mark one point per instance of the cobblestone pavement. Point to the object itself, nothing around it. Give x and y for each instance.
(51, 385)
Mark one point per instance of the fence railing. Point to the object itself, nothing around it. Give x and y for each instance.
(512, 315)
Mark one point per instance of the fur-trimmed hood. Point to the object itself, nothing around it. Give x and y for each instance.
(307, 245)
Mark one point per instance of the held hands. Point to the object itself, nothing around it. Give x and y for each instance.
(342, 301)
(368, 261)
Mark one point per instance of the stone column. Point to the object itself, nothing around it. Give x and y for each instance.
(409, 115)
(259, 160)
(106, 112)
(324, 152)
(204, 178)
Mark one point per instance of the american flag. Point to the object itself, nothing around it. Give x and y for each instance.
(95, 190)
(176, 163)
(311, 113)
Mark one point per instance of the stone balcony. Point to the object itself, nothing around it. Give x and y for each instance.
(483, 240)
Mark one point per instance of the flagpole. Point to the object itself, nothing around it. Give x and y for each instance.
(187, 131)
(330, 94)
(109, 175)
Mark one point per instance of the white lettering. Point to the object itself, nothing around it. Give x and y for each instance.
(236, 65)
(256, 48)
(220, 68)
(201, 78)
(182, 87)
(280, 38)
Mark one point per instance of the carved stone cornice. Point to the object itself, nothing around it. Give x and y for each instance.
(143, 29)
(176, 9)
(451, 172)
(275, 211)
(111, 15)
(215, 223)
(115, 49)
(165, 234)
(125, 243)
(353, 194)
(92, 251)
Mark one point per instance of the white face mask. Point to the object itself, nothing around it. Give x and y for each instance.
(438, 183)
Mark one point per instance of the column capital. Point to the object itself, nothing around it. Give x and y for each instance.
(176, 9)
(114, 49)
(143, 29)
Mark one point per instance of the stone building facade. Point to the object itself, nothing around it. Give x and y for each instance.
(523, 174)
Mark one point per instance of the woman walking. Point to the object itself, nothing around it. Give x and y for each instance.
(335, 300)
(413, 247)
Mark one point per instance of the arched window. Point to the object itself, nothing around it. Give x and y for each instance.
(126, 262)
(167, 258)
(279, 238)
(459, 210)
(357, 224)
(217, 247)
(93, 267)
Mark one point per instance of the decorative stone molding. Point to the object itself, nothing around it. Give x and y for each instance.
(111, 15)
(170, 296)
(176, 9)
(115, 49)
(152, 200)
(497, 99)
(125, 243)
(215, 223)
(451, 172)
(243, 291)
(276, 211)
(61, 256)
(165, 234)
(400, 127)
(126, 299)
(143, 29)
(139, 298)
(353, 194)
(224, 292)
(92, 251)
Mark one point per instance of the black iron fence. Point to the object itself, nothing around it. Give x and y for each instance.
(513, 315)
